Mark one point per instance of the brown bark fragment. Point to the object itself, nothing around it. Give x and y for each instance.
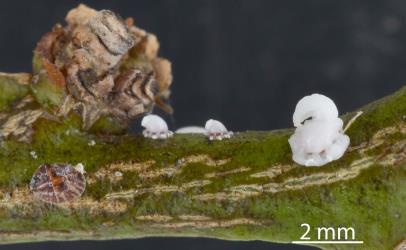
(45, 44)
(163, 74)
(112, 32)
(86, 57)
(80, 15)
(54, 73)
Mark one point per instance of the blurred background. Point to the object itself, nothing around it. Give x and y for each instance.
(244, 62)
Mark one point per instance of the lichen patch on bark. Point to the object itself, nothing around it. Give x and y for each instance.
(20, 125)
(274, 171)
(210, 224)
(145, 169)
(159, 189)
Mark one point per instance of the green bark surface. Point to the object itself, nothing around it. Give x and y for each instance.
(244, 188)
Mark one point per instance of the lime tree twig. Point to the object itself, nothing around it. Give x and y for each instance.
(244, 188)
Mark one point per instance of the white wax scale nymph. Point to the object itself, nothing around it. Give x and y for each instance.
(155, 127)
(216, 130)
(191, 130)
(319, 137)
(213, 129)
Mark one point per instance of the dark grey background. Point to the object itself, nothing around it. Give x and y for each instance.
(243, 62)
(158, 244)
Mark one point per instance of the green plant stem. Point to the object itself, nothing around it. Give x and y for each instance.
(244, 188)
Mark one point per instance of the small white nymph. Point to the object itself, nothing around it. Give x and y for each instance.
(80, 168)
(319, 137)
(155, 127)
(191, 130)
(34, 154)
(215, 130)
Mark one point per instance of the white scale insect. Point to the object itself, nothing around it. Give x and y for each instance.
(155, 127)
(214, 130)
(319, 137)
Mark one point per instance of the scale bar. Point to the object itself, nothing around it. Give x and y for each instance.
(328, 242)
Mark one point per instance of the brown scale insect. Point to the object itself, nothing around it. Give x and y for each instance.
(57, 183)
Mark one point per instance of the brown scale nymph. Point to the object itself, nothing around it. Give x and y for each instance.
(57, 183)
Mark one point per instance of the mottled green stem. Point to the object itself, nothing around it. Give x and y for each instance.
(245, 188)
